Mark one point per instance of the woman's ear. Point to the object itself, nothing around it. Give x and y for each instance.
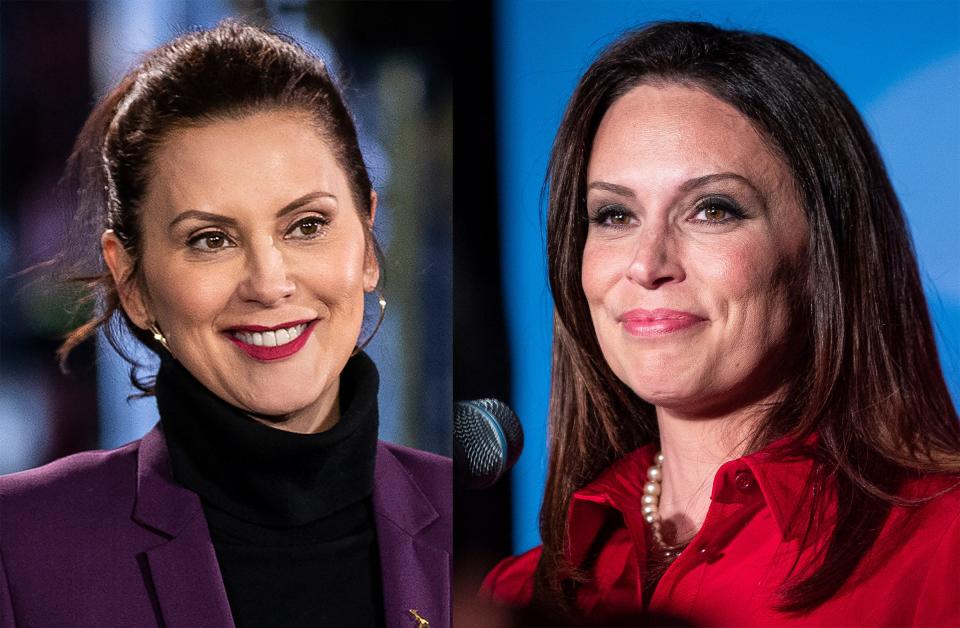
(373, 208)
(121, 266)
(371, 266)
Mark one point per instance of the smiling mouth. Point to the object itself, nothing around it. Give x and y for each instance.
(274, 338)
(264, 344)
(659, 322)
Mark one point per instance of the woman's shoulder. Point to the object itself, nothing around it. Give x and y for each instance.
(932, 505)
(406, 476)
(431, 471)
(510, 583)
(69, 473)
(81, 478)
(933, 486)
(417, 459)
(923, 530)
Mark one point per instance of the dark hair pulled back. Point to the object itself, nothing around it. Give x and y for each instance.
(226, 72)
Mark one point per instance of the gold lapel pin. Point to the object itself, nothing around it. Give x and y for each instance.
(421, 622)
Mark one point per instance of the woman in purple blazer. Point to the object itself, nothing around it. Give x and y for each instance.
(236, 216)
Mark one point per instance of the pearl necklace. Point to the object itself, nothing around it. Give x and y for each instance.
(651, 508)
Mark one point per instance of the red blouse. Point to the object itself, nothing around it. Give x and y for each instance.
(729, 573)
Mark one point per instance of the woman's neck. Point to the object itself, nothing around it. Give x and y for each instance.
(262, 475)
(693, 450)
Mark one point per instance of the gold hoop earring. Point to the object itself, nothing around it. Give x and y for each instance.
(383, 310)
(158, 335)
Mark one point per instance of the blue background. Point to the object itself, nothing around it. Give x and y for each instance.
(898, 61)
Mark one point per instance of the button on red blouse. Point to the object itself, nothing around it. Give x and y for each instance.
(730, 572)
(744, 481)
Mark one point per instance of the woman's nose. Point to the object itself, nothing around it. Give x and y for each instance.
(266, 277)
(655, 259)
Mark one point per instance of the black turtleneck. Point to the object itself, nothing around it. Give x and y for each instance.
(289, 514)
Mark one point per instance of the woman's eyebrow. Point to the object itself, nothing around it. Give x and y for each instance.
(232, 222)
(219, 219)
(686, 186)
(692, 184)
(619, 190)
(303, 200)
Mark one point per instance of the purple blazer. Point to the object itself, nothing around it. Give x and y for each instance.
(108, 538)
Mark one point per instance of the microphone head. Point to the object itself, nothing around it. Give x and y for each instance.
(487, 440)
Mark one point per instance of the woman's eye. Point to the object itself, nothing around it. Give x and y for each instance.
(308, 227)
(714, 213)
(618, 218)
(718, 211)
(209, 241)
(612, 216)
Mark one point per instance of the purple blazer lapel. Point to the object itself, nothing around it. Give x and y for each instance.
(416, 568)
(186, 578)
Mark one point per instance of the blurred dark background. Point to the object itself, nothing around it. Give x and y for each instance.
(481, 361)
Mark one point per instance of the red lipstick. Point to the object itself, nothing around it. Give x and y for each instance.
(660, 322)
(261, 328)
(269, 354)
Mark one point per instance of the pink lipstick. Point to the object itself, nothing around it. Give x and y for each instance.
(267, 344)
(660, 322)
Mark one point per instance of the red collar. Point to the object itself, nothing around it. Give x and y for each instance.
(780, 471)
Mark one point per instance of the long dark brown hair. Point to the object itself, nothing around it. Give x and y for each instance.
(229, 71)
(868, 380)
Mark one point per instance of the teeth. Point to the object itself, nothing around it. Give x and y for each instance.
(271, 338)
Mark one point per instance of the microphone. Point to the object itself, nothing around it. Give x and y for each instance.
(487, 440)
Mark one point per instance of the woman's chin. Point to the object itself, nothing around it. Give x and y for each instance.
(672, 395)
(273, 404)
(666, 399)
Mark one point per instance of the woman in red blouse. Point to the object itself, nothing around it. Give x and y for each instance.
(749, 425)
